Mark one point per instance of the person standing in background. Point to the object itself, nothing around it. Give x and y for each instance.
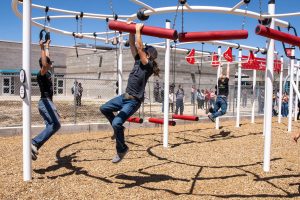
(179, 100)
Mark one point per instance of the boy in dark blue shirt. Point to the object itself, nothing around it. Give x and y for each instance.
(129, 102)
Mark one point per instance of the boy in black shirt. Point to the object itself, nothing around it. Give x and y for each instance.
(222, 93)
(129, 102)
(46, 107)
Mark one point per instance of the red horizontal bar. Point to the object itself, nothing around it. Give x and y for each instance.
(277, 35)
(146, 30)
(161, 121)
(135, 120)
(186, 117)
(213, 35)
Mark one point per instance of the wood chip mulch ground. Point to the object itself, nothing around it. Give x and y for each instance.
(200, 163)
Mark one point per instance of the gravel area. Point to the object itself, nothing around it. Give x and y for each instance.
(200, 163)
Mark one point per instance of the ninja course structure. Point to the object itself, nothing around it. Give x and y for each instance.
(171, 37)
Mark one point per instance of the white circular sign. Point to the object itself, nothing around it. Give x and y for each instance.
(22, 91)
(22, 75)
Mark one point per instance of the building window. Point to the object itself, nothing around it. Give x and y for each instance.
(8, 85)
(59, 84)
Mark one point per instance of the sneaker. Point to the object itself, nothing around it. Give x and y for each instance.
(120, 156)
(113, 136)
(211, 110)
(34, 152)
(211, 118)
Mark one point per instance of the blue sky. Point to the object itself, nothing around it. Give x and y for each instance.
(11, 26)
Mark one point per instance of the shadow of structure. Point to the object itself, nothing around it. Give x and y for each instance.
(142, 178)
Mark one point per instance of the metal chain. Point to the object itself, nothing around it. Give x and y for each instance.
(244, 18)
(111, 7)
(80, 24)
(45, 20)
(182, 18)
(175, 17)
(260, 9)
(76, 23)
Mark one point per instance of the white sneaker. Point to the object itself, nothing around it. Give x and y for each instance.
(119, 157)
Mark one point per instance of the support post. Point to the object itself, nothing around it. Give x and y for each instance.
(166, 92)
(269, 94)
(120, 65)
(254, 95)
(291, 90)
(280, 91)
(27, 168)
(238, 105)
(296, 97)
(217, 125)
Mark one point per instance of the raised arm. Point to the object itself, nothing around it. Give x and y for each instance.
(139, 44)
(44, 54)
(228, 71)
(132, 44)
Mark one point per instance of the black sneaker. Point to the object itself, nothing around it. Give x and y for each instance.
(211, 118)
(34, 152)
(119, 157)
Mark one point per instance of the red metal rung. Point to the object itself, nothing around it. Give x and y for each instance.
(186, 117)
(135, 120)
(161, 121)
(277, 35)
(213, 35)
(146, 30)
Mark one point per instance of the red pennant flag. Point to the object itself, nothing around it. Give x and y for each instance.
(215, 60)
(228, 54)
(288, 52)
(252, 62)
(251, 58)
(190, 58)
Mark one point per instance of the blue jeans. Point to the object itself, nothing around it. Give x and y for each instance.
(285, 109)
(127, 107)
(49, 113)
(221, 102)
(179, 106)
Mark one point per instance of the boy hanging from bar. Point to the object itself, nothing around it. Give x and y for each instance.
(222, 89)
(46, 106)
(129, 102)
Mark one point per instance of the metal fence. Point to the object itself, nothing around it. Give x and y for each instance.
(85, 108)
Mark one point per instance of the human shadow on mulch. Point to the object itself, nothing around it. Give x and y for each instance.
(146, 178)
(222, 134)
(66, 162)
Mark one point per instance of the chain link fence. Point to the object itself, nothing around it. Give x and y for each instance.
(82, 105)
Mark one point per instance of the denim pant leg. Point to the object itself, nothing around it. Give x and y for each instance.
(129, 107)
(221, 102)
(216, 106)
(111, 106)
(49, 113)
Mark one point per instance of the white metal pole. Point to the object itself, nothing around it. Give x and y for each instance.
(217, 125)
(27, 168)
(297, 93)
(120, 65)
(238, 105)
(291, 90)
(280, 91)
(253, 97)
(296, 97)
(269, 94)
(166, 92)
